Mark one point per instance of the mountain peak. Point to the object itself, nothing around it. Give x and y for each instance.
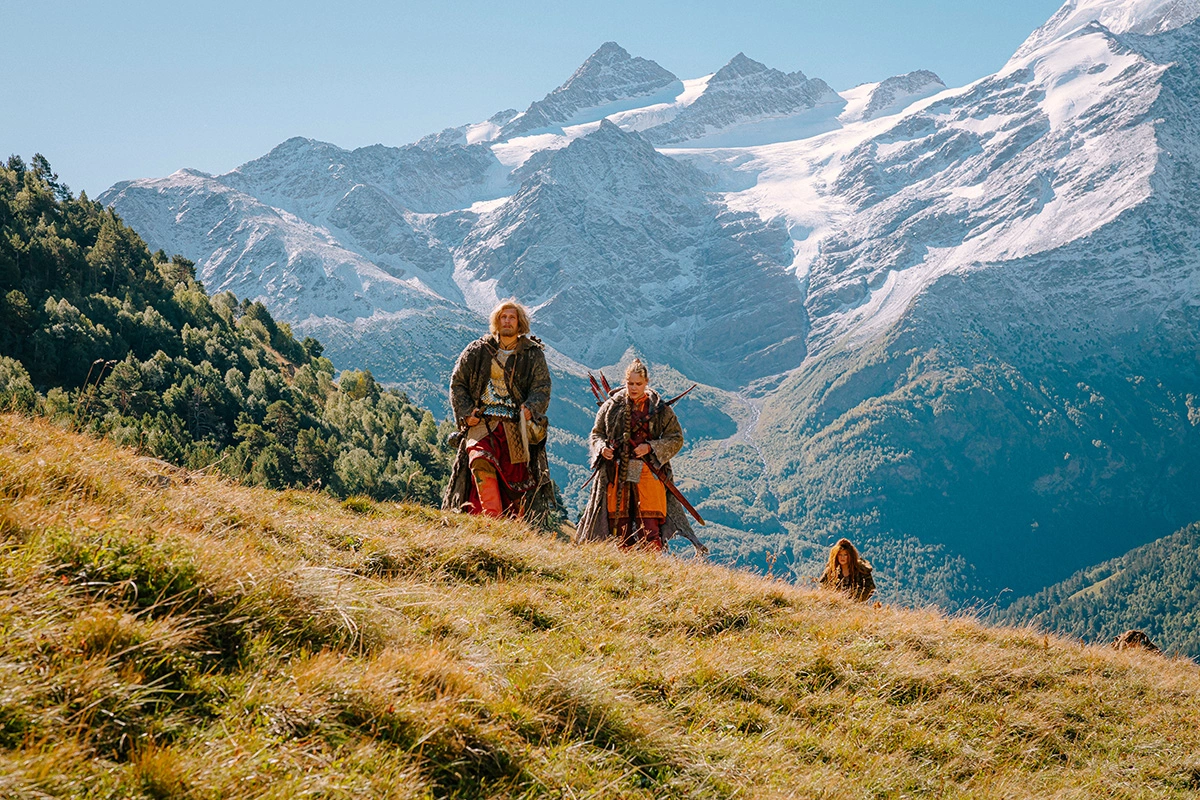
(610, 53)
(743, 91)
(612, 71)
(1145, 17)
(604, 148)
(297, 145)
(609, 76)
(898, 91)
(609, 128)
(742, 66)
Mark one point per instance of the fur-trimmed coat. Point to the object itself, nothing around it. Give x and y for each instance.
(528, 380)
(612, 428)
(860, 587)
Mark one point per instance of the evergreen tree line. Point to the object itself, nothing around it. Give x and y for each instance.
(1154, 588)
(99, 333)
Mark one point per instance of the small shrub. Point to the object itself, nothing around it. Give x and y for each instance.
(459, 561)
(16, 390)
(137, 570)
(477, 564)
(15, 725)
(360, 505)
(159, 773)
(382, 563)
(744, 612)
(578, 708)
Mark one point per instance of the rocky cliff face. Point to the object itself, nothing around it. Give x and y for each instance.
(618, 245)
(958, 326)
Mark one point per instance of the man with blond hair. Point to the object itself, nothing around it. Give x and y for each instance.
(499, 393)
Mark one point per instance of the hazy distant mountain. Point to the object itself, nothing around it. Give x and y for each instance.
(957, 325)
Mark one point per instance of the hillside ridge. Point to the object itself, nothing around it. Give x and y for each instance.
(169, 633)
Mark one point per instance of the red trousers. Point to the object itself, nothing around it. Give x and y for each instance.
(498, 483)
(643, 532)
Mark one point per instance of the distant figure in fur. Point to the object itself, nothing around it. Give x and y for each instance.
(1134, 640)
(627, 502)
(848, 573)
(499, 392)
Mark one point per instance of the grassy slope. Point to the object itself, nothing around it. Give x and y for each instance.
(167, 634)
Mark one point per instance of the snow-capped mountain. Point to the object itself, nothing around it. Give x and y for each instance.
(254, 249)
(1145, 17)
(371, 271)
(743, 91)
(1006, 310)
(610, 237)
(608, 80)
(958, 325)
(892, 95)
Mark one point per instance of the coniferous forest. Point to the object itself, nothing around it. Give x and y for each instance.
(98, 333)
(1154, 588)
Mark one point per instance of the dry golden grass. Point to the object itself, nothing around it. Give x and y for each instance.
(168, 634)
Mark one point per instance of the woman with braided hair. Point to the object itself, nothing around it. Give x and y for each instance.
(634, 428)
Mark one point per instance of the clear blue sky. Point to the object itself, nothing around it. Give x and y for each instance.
(128, 89)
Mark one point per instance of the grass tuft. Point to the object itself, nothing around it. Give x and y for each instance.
(360, 505)
(160, 773)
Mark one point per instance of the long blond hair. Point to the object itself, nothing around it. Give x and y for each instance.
(522, 316)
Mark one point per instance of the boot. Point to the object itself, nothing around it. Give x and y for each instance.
(652, 535)
(489, 497)
(487, 484)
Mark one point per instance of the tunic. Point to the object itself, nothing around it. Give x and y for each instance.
(651, 493)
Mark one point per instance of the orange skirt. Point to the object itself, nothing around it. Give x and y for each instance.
(651, 498)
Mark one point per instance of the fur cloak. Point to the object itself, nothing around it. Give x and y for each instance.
(612, 428)
(528, 379)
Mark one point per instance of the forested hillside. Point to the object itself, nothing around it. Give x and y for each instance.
(1155, 588)
(98, 332)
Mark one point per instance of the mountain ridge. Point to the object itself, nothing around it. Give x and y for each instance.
(915, 299)
(609, 75)
(1152, 588)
